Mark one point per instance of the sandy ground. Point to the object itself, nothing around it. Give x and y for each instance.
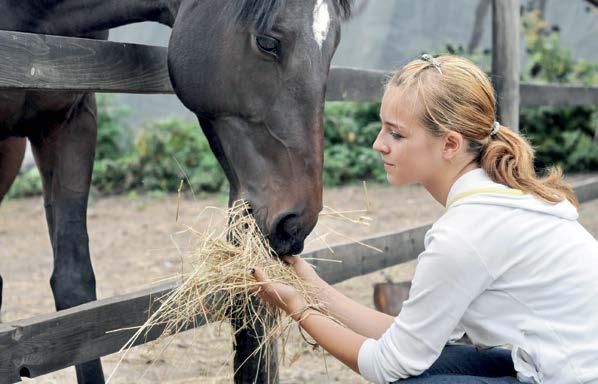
(132, 248)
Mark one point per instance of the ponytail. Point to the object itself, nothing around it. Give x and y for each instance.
(509, 159)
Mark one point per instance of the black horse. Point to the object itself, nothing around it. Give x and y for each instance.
(253, 71)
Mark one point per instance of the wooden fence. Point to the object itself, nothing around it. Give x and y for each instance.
(43, 344)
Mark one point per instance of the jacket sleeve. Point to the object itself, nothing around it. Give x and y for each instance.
(448, 277)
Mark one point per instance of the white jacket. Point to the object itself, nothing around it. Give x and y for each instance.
(509, 269)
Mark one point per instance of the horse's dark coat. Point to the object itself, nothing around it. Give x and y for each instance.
(261, 112)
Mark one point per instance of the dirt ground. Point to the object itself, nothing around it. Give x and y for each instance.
(132, 248)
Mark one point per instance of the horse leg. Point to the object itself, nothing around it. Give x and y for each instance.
(12, 151)
(64, 154)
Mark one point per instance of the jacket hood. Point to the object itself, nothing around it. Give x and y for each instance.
(476, 187)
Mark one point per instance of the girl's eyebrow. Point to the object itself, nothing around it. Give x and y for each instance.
(393, 125)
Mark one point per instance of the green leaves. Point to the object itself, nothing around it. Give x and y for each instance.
(564, 136)
(115, 137)
(547, 60)
(350, 131)
(28, 183)
(164, 152)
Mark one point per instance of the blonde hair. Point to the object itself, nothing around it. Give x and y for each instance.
(458, 96)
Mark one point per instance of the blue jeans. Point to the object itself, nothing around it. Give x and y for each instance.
(464, 364)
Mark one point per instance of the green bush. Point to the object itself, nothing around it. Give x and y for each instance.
(114, 146)
(170, 150)
(28, 183)
(350, 131)
(164, 152)
(547, 61)
(564, 136)
(115, 136)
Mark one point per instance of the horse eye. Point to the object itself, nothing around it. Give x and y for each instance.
(268, 44)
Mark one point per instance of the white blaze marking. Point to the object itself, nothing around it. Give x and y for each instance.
(321, 22)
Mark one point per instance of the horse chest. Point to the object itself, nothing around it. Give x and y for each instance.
(22, 113)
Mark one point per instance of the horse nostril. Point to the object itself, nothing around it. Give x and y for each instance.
(287, 235)
(287, 227)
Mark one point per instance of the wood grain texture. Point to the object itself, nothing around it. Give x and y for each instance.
(505, 60)
(350, 84)
(29, 61)
(44, 62)
(358, 260)
(50, 342)
(557, 95)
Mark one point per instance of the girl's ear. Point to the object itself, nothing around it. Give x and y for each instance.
(453, 143)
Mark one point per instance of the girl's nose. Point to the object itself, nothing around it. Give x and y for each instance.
(379, 146)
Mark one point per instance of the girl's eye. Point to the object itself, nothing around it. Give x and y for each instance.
(396, 135)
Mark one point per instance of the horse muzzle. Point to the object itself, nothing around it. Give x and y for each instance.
(288, 233)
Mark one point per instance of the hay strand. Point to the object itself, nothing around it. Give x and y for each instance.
(218, 286)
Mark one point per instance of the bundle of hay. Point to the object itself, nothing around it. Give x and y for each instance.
(219, 284)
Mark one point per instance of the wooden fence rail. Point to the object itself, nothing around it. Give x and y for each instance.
(47, 343)
(44, 62)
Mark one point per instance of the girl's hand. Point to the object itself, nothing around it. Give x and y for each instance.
(281, 295)
(305, 271)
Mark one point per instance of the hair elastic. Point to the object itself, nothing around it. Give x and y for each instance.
(495, 128)
(430, 59)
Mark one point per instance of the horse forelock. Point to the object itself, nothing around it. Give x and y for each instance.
(261, 14)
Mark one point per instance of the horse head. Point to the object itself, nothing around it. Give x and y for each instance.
(254, 73)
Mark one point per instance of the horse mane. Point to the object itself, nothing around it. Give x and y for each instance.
(261, 14)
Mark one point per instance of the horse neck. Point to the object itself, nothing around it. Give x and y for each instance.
(81, 17)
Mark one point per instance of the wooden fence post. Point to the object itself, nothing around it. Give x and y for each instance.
(505, 60)
(258, 368)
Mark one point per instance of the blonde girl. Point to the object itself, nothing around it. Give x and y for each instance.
(508, 263)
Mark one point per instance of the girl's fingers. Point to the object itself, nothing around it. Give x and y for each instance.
(259, 275)
(265, 290)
